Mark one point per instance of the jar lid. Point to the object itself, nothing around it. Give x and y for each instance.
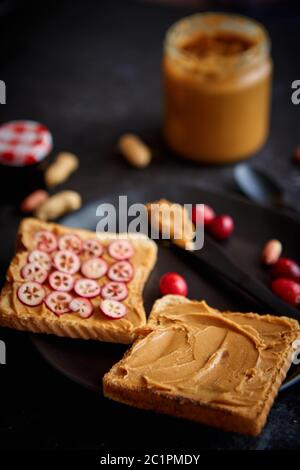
(24, 143)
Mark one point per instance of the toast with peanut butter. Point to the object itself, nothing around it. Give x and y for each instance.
(77, 283)
(223, 369)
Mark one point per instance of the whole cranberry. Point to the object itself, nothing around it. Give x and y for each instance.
(173, 283)
(286, 267)
(222, 227)
(287, 290)
(207, 213)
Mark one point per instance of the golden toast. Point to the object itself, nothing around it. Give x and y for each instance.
(53, 265)
(192, 361)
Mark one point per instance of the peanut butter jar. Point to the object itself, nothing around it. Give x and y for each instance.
(217, 75)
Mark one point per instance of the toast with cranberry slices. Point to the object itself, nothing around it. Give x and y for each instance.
(76, 283)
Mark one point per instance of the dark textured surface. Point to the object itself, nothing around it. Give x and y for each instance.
(91, 72)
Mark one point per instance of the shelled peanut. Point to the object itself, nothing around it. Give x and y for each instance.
(271, 252)
(61, 169)
(134, 150)
(58, 205)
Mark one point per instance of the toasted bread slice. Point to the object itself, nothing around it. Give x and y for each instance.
(40, 319)
(194, 362)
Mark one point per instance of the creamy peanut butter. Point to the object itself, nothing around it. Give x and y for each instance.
(196, 352)
(217, 45)
(217, 80)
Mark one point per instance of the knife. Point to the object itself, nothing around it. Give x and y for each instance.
(215, 258)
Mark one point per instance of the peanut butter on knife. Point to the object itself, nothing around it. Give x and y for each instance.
(172, 221)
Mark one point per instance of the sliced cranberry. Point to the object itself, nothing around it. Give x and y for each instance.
(287, 268)
(70, 242)
(121, 249)
(87, 288)
(62, 282)
(221, 227)
(122, 271)
(31, 293)
(173, 283)
(114, 290)
(288, 290)
(40, 257)
(58, 302)
(45, 241)
(94, 268)
(82, 306)
(113, 308)
(34, 272)
(66, 262)
(92, 247)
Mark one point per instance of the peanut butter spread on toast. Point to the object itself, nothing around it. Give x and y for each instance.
(193, 351)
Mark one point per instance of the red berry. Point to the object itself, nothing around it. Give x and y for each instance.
(286, 267)
(82, 306)
(94, 268)
(87, 288)
(222, 227)
(113, 308)
(205, 215)
(173, 283)
(287, 290)
(120, 249)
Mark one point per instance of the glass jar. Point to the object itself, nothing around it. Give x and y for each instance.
(24, 149)
(217, 81)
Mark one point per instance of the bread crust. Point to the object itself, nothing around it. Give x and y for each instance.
(207, 413)
(71, 325)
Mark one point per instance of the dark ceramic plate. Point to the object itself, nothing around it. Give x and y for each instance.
(86, 362)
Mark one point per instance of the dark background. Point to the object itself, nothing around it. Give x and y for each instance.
(91, 71)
